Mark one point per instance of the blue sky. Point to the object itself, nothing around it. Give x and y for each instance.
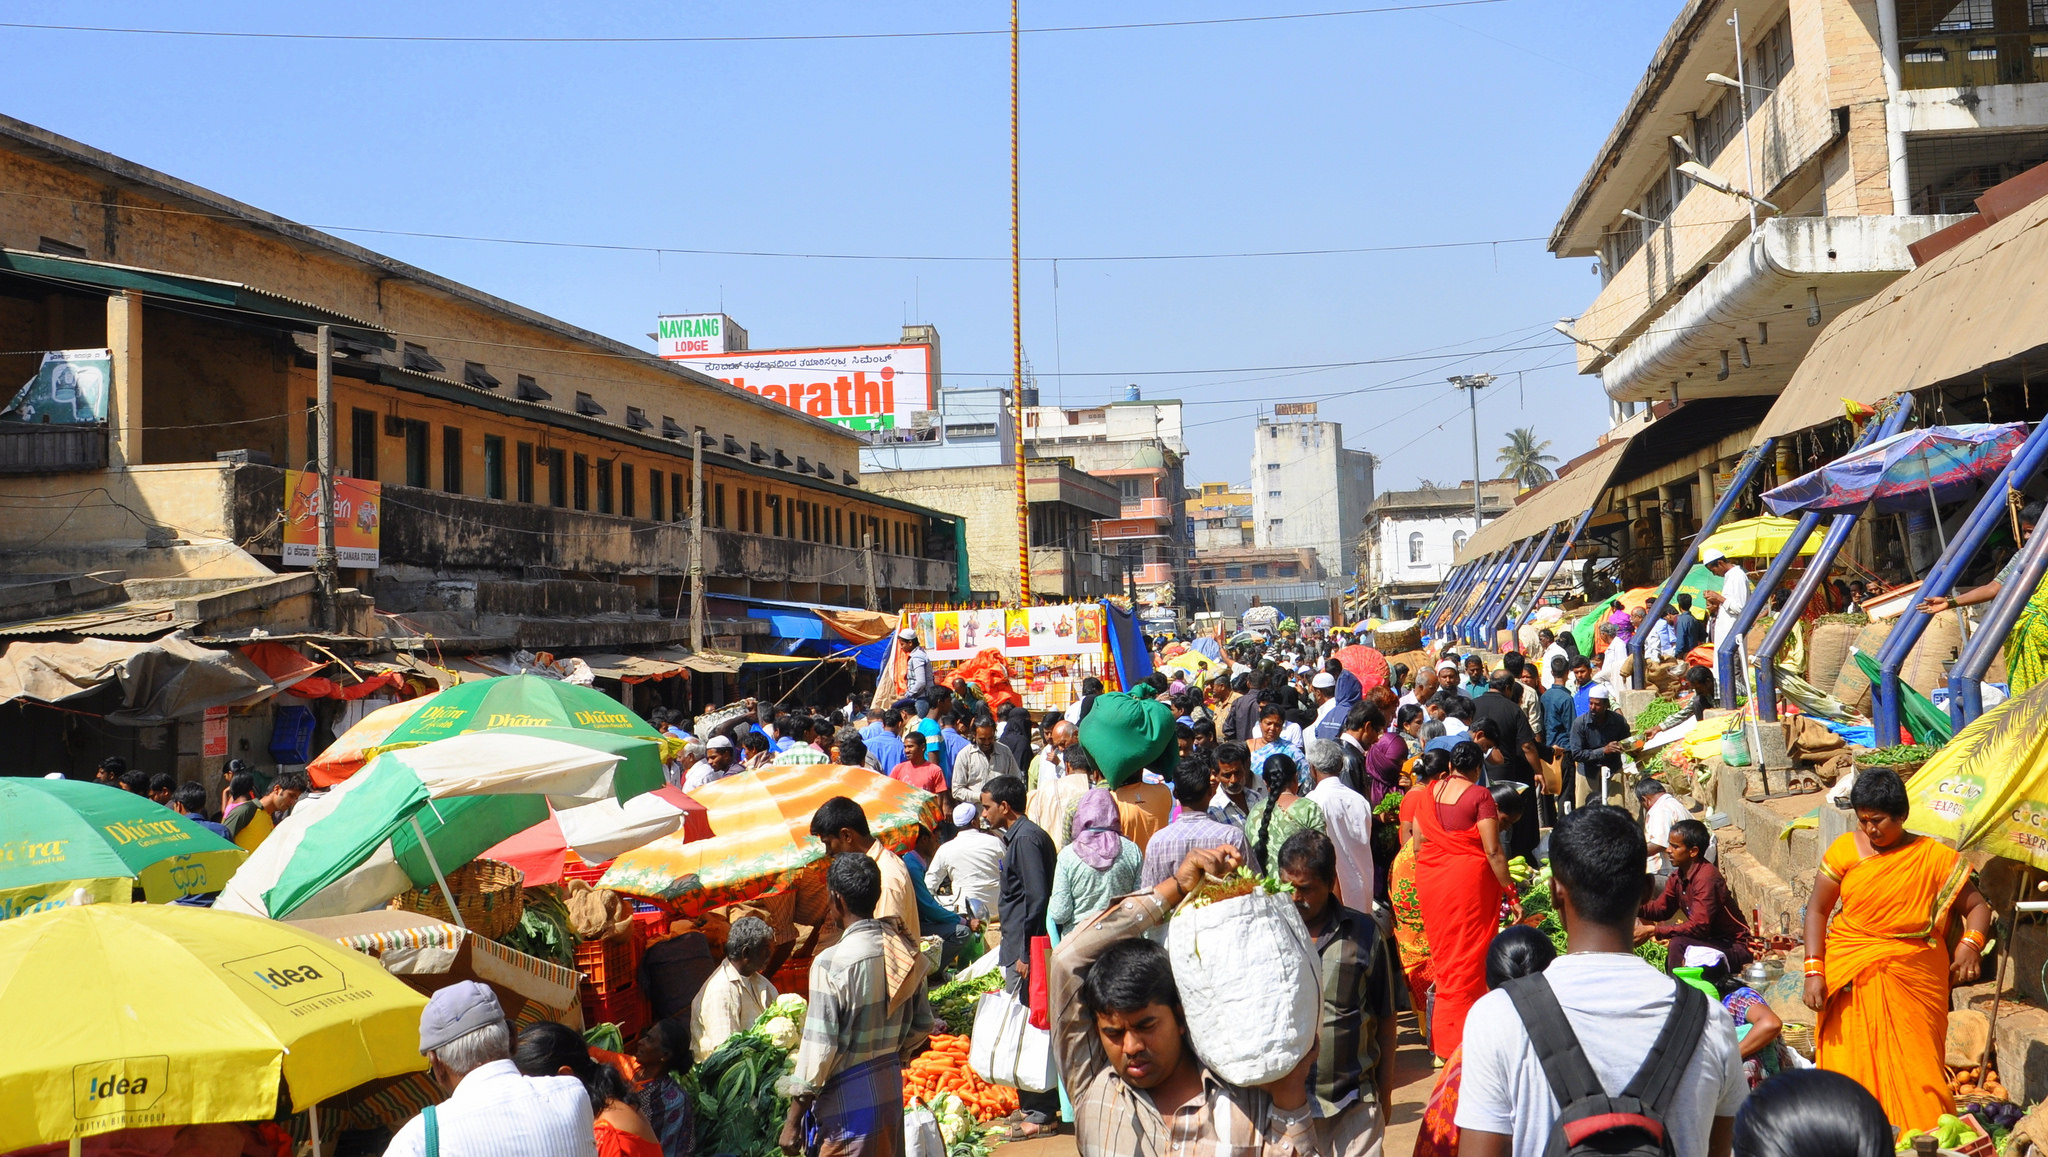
(1403, 128)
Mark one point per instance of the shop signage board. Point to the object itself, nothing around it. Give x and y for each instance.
(861, 387)
(358, 520)
(70, 388)
(1063, 629)
(688, 335)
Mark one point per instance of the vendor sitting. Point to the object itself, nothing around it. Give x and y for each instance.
(1696, 909)
(1122, 1040)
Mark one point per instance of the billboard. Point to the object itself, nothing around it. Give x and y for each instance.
(70, 388)
(358, 518)
(1066, 629)
(861, 387)
(687, 335)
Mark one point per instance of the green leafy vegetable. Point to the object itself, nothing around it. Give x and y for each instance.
(1897, 755)
(739, 1111)
(954, 1002)
(1654, 715)
(543, 929)
(605, 1036)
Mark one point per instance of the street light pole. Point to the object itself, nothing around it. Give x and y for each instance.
(1742, 97)
(1472, 384)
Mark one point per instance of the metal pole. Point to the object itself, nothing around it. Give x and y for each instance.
(1491, 606)
(867, 558)
(1472, 397)
(434, 862)
(1017, 332)
(1426, 621)
(1564, 552)
(1745, 472)
(1765, 690)
(1966, 689)
(697, 540)
(1468, 626)
(324, 558)
(1515, 589)
(1742, 94)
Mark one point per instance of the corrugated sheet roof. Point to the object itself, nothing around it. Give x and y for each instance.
(142, 619)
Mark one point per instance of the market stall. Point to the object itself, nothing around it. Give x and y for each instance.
(1042, 652)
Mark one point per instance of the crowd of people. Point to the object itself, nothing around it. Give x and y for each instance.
(1401, 816)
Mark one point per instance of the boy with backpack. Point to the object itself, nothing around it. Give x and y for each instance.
(1625, 1060)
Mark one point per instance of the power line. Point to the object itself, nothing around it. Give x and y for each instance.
(386, 38)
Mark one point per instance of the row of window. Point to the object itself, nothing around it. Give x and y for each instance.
(1415, 545)
(608, 486)
(1258, 570)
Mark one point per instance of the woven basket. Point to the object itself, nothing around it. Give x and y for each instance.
(487, 893)
(1799, 1037)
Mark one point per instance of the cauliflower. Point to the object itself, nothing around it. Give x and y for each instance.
(789, 1087)
(783, 1034)
(791, 1005)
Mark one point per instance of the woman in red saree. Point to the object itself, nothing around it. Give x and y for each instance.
(1879, 972)
(1461, 872)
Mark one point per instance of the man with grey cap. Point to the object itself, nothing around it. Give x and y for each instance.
(491, 1110)
(718, 763)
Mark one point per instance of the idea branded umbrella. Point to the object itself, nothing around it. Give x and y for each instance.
(1984, 791)
(59, 835)
(416, 814)
(1905, 472)
(599, 832)
(764, 841)
(133, 1015)
(1760, 537)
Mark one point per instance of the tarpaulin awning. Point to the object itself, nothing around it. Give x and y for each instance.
(859, 626)
(1980, 303)
(167, 679)
(1559, 501)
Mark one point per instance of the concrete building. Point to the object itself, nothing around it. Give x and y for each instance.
(1228, 580)
(1065, 508)
(1307, 489)
(1135, 445)
(535, 477)
(1220, 516)
(1412, 539)
(970, 428)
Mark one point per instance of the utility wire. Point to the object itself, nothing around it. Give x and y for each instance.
(228, 34)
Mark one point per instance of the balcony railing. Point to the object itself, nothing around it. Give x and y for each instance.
(1975, 59)
(27, 448)
(1154, 508)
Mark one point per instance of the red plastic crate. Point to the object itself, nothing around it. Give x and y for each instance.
(576, 869)
(628, 1009)
(650, 923)
(608, 965)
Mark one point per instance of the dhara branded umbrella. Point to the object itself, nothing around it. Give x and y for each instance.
(763, 818)
(515, 701)
(59, 835)
(135, 1015)
(356, 746)
(416, 814)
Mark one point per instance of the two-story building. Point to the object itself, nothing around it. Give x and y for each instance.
(1136, 446)
(1412, 539)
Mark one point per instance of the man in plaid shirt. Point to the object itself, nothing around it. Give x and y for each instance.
(1356, 1060)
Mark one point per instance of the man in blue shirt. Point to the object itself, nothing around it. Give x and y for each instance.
(1582, 682)
(951, 742)
(886, 744)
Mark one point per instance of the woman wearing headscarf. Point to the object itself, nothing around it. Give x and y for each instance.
(1098, 866)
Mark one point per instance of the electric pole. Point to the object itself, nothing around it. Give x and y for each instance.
(324, 561)
(1472, 384)
(867, 559)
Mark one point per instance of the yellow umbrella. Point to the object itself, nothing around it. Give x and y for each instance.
(1760, 537)
(133, 1015)
(1983, 790)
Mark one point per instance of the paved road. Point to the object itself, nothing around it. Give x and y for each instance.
(1412, 1071)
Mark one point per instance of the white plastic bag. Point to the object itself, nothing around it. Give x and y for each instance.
(921, 1137)
(989, 1014)
(1250, 985)
(1006, 1050)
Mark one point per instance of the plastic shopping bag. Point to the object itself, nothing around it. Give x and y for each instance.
(989, 1013)
(1250, 985)
(1006, 1050)
(921, 1136)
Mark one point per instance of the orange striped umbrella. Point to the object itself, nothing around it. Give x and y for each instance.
(764, 841)
(349, 752)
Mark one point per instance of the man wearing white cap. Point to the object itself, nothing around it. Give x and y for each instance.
(1595, 744)
(917, 669)
(1726, 603)
(1324, 686)
(719, 762)
(491, 1109)
(967, 867)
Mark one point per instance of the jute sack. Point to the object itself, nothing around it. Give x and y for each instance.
(1926, 663)
(1852, 687)
(1827, 652)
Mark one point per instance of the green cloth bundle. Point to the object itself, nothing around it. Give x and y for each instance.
(1125, 735)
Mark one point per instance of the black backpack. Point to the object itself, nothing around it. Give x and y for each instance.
(1590, 1123)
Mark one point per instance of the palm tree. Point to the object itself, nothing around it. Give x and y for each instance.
(1524, 458)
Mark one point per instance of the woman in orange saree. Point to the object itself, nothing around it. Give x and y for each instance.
(1461, 872)
(1879, 972)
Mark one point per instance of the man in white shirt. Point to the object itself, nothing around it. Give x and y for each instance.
(718, 764)
(1726, 603)
(735, 995)
(1324, 686)
(491, 1109)
(968, 867)
(1347, 819)
(1552, 649)
(1615, 1003)
(1661, 809)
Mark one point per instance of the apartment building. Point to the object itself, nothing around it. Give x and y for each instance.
(1220, 516)
(1308, 491)
(1136, 446)
(1412, 539)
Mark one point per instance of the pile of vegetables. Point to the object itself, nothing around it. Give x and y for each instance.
(739, 1092)
(1540, 913)
(1896, 755)
(1242, 882)
(1976, 1081)
(543, 929)
(1655, 714)
(942, 1071)
(1950, 1132)
(963, 1135)
(953, 1003)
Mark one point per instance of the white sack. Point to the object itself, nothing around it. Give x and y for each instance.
(1250, 984)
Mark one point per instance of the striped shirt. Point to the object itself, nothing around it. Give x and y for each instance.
(496, 1112)
(1112, 1119)
(849, 1023)
(1172, 843)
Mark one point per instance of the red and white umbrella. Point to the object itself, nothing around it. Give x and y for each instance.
(600, 832)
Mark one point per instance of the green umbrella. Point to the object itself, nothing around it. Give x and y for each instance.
(361, 843)
(515, 701)
(57, 835)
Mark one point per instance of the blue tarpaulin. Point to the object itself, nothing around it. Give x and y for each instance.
(1126, 646)
(792, 624)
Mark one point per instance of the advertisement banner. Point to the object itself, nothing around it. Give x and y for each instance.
(213, 733)
(358, 518)
(861, 387)
(70, 388)
(1064, 629)
(688, 335)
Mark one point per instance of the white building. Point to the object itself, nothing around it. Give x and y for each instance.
(1412, 539)
(1307, 489)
